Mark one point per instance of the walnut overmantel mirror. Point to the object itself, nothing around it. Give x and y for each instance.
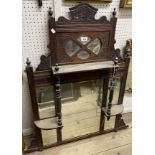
(77, 89)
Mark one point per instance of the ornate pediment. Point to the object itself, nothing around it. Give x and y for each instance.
(83, 12)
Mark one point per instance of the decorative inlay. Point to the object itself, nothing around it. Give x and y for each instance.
(72, 47)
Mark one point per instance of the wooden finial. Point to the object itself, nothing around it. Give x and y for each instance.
(116, 61)
(50, 12)
(56, 67)
(128, 45)
(28, 62)
(114, 12)
(128, 49)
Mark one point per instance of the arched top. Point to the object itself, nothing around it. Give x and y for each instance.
(84, 13)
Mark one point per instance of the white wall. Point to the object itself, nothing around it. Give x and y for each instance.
(35, 39)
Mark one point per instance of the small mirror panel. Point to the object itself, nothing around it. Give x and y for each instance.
(83, 55)
(95, 46)
(71, 48)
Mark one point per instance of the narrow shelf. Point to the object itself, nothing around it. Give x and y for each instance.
(115, 109)
(83, 67)
(47, 124)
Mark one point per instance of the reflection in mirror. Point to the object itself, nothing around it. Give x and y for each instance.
(115, 109)
(128, 87)
(81, 110)
(83, 55)
(109, 124)
(116, 92)
(82, 116)
(49, 136)
(95, 46)
(45, 99)
(71, 48)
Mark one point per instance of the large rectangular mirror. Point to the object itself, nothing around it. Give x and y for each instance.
(81, 109)
(82, 116)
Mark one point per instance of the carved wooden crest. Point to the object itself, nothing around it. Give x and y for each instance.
(82, 23)
(82, 13)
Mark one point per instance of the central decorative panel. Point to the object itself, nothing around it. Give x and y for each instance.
(73, 48)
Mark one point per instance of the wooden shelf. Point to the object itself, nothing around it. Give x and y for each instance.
(47, 124)
(63, 69)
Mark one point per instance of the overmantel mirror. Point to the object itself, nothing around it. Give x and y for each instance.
(77, 89)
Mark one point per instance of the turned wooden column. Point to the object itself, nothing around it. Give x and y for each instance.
(57, 93)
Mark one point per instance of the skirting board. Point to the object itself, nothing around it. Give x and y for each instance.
(127, 108)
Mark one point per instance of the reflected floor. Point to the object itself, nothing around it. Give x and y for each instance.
(79, 117)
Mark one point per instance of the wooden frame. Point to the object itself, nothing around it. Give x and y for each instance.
(49, 70)
(126, 4)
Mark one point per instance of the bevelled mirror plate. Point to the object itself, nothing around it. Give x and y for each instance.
(95, 46)
(45, 99)
(71, 48)
(83, 55)
(82, 115)
(116, 91)
(80, 109)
